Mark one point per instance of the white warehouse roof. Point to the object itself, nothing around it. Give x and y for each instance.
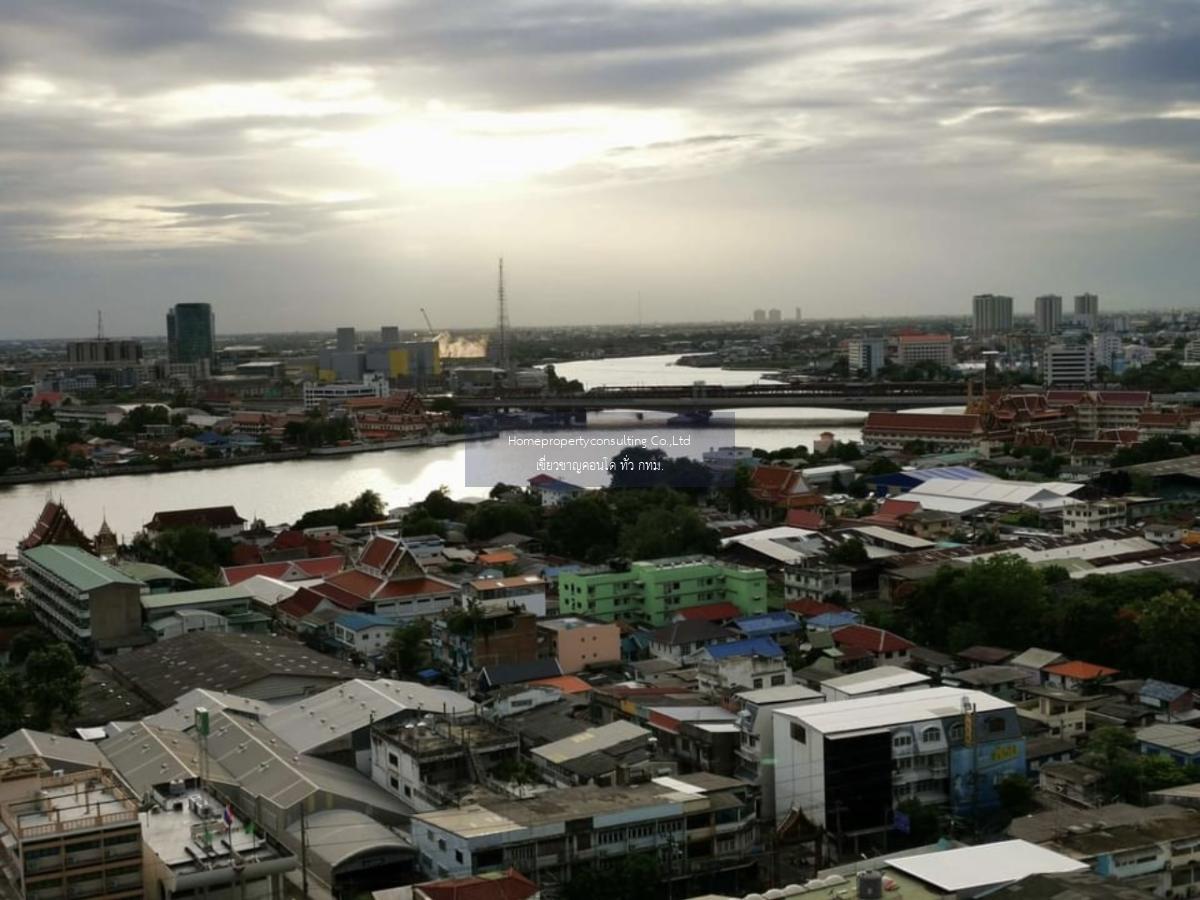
(886, 710)
(967, 868)
(1007, 493)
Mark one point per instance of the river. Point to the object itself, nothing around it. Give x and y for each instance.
(281, 491)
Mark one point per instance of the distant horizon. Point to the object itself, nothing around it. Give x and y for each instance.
(331, 330)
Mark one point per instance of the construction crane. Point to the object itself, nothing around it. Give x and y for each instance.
(428, 324)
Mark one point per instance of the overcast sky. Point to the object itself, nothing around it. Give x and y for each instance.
(305, 164)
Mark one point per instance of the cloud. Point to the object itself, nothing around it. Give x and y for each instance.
(210, 130)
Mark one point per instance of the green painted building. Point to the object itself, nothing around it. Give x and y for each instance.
(652, 591)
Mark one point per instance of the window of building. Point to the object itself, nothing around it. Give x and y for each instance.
(799, 735)
(458, 857)
(956, 731)
(777, 680)
(393, 759)
(995, 725)
(394, 782)
(902, 740)
(931, 734)
(442, 845)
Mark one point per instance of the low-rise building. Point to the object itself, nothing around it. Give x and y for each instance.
(577, 643)
(818, 580)
(1180, 743)
(755, 757)
(435, 761)
(1082, 517)
(1156, 849)
(527, 592)
(498, 636)
(872, 682)
(223, 521)
(606, 755)
(651, 592)
(83, 600)
(693, 823)
(368, 636)
(70, 835)
(748, 664)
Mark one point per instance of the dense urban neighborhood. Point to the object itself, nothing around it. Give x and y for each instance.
(945, 652)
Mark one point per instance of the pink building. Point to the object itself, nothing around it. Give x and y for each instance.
(578, 643)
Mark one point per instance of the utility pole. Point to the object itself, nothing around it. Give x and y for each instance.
(303, 851)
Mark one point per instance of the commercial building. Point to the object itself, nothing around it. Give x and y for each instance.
(1069, 364)
(70, 835)
(83, 600)
(917, 348)
(992, 314)
(1047, 313)
(1087, 309)
(866, 355)
(326, 394)
(846, 765)
(694, 824)
(1095, 515)
(652, 591)
(191, 333)
(527, 592)
(103, 352)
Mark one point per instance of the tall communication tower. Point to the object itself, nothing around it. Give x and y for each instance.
(502, 322)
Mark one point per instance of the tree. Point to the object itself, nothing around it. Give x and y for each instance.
(493, 517)
(12, 701)
(193, 551)
(52, 683)
(633, 877)
(661, 532)
(406, 649)
(850, 552)
(38, 452)
(27, 642)
(584, 527)
(439, 505)
(1016, 796)
(1169, 632)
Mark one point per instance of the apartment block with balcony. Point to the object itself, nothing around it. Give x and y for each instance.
(698, 825)
(651, 592)
(71, 835)
(83, 600)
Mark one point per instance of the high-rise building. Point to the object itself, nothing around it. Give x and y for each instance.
(389, 334)
(1087, 309)
(191, 333)
(867, 355)
(799, 314)
(1069, 364)
(993, 314)
(103, 351)
(1047, 312)
(760, 315)
(346, 341)
(774, 315)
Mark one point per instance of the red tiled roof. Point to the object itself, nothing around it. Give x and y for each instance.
(300, 604)
(55, 526)
(496, 557)
(245, 554)
(1080, 671)
(510, 886)
(204, 517)
(412, 587)
(966, 424)
(805, 518)
(318, 567)
(871, 639)
(923, 338)
(771, 478)
(378, 552)
(357, 584)
(1125, 398)
(807, 607)
(710, 612)
(568, 684)
(339, 596)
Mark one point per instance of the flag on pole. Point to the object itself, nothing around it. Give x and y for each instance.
(248, 827)
(228, 815)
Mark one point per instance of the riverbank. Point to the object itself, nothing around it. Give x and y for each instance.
(185, 465)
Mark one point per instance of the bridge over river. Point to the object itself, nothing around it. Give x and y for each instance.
(675, 398)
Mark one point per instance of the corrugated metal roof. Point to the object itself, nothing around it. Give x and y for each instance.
(78, 568)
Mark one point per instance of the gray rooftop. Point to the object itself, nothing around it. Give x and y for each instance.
(181, 715)
(332, 714)
(78, 568)
(53, 748)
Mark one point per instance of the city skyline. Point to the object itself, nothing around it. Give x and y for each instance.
(302, 165)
